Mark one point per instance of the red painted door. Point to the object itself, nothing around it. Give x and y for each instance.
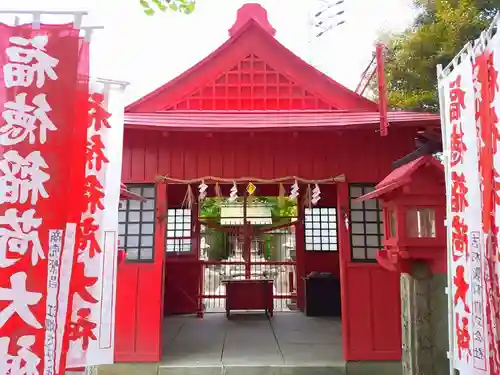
(371, 310)
(139, 305)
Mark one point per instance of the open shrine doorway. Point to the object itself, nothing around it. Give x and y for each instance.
(247, 243)
(207, 245)
(215, 242)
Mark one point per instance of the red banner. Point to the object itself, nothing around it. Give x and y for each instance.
(40, 86)
(69, 285)
(85, 299)
(485, 78)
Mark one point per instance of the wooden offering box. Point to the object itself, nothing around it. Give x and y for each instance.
(249, 294)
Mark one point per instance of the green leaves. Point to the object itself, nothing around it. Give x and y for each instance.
(439, 32)
(182, 6)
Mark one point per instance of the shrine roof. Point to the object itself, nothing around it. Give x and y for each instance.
(252, 34)
(401, 176)
(266, 120)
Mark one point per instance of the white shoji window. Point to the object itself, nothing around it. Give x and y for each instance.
(137, 224)
(321, 229)
(178, 233)
(366, 224)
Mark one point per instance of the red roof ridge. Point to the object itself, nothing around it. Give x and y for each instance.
(252, 11)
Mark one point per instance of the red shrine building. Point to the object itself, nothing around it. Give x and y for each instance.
(249, 125)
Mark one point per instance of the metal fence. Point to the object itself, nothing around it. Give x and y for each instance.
(271, 256)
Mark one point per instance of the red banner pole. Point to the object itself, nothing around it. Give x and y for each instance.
(382, 89)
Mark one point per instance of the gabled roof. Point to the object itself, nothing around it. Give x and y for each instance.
(401, 176)
(252, 34)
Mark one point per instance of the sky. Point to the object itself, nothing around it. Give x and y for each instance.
(148, 51)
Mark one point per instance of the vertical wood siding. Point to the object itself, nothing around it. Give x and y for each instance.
(362, 156)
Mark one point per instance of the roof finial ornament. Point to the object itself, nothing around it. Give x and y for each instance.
(251, 11)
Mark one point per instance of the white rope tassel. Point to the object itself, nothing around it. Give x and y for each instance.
(294, 193)
(202, 190)
(316, 195)
(233, 195)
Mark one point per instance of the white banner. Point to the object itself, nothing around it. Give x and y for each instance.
(493, 270)
(93, 311)
(466, 274)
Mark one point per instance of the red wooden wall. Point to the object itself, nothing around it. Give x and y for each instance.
(362, 156)
(139, 288)
(370, 301)
(371, 320)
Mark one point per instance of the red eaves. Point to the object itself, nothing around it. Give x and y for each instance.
(273, 120)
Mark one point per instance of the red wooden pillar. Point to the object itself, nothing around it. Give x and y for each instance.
(247, 239)
(159, 261)
(300, 255)
(196, 228)
(344, 258)
(196, 250)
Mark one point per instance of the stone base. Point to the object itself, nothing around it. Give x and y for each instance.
(349, 368)
(374, 368)
(155, 369)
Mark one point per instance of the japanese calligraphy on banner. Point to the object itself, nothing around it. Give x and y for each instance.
(490, 173)
(471, 140)
(467, 261)
(39, 79)
(91, 330)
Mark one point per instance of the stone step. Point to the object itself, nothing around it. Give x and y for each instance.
(253, 370)
(349, 368)
(154, 369)
(340, 368)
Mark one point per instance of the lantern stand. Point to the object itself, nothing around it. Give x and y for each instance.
(413, 201)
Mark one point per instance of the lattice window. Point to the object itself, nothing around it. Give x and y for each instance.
(252, 85)
(366, 224)
(321, 229)
(178, 235)
(137, 223)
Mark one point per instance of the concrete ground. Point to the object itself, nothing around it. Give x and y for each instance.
(251, 339)
(250, 344)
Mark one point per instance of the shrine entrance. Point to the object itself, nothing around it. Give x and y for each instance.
(246, 251)
(215, 244)
(248, 245)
